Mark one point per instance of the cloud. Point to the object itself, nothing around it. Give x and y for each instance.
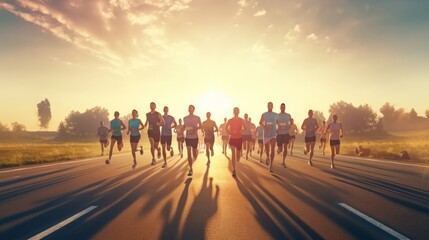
(119, 32)
(312, 36)
(260, 13)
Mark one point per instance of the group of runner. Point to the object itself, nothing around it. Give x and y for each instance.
(239, 133)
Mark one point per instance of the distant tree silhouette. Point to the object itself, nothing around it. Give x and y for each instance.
(400, 120)
(427, 113)
(44, 113)
(355, 119)
(318, 115)
(83, 124)
(413, 114)
(18, 127)
(4, 127)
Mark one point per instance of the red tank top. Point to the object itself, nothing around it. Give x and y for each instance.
(235, 127)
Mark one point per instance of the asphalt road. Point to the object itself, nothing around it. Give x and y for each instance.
(86, 199)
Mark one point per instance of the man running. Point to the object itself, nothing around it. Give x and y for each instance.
(192, 123)
(260, 136)
(293, 131)
(310, 126)
(247, 135)
(116, 127)
(335, 130)
(209, 128)
(103, 133)
(180, 131)
(134, 127)
(154, 120)
(167, 135)
(283, 119)
(235, 127)
(322, 132)
(268, 122)
(225, 136)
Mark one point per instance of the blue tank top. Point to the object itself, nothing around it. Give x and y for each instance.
(115, 126)
(270, 124)
(283, 123)
(166, 129)
(134, 127)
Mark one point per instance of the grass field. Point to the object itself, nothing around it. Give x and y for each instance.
(416, 143)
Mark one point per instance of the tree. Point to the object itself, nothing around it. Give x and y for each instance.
(318, 115)
(44, 113)
(413, 114)
(18, 127)
(427, 113)
(3, 127)
(355, 119)
(83, 124)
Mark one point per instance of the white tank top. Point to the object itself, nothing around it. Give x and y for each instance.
(334, 129)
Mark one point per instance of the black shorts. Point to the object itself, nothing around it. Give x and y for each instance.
(192, 142)
(225, 138)
(135, 139)
(118, 139)
(236, 142)
(209, 140)
(282, 139)
(310, 139)
(180, 139)
(166, 140)
(292, 137)
(261, 141)
(104, 141)
(323, 140)
(246, 138)
(334, 143)
(155, 134)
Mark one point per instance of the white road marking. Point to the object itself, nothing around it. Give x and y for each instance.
(62, 224)
(56, 164)
(374, 222)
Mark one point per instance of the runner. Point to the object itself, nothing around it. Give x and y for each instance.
(322, 132)
(260, 135)
(310, 126)
(235, 127)
(179, 130)
(225, 136)
(192, 123)
(103, 133)
(154, 120)
(335, 130)
(167, 135)
(283, 119)
(209, 128)
(253, 132)
(247, 135)
(268, 122)
(293, 131)
(134, 127)
(116, 127)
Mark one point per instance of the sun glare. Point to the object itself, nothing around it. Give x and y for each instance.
(217, 103)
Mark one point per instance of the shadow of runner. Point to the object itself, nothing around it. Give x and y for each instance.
(171, 228)
(203, 208)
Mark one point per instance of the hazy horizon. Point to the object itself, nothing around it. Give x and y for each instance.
(213, 54)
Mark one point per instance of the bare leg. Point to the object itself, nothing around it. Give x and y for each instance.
(152, 148)
(261, 150)
(111, 149)
(164, 155)
(272, 148)
(284, 154)
(234, 152)
(311, 152)
(208, 147)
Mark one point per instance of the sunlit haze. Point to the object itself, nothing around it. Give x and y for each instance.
(216, 55)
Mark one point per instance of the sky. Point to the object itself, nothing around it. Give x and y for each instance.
(215, 54)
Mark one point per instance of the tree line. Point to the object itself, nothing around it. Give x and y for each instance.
(360, 119)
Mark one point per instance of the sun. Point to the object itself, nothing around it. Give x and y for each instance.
(215, 102)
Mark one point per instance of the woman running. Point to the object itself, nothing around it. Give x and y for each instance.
(235, 127)
(293, 131)
(134, 127)
(335, 130)
(116, 127)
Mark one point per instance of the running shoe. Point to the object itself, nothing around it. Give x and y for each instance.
(134, 165)
(234, 173)
(153, 162)
(164, 165)
(190, 172)
(141, 150)
(107, 161)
